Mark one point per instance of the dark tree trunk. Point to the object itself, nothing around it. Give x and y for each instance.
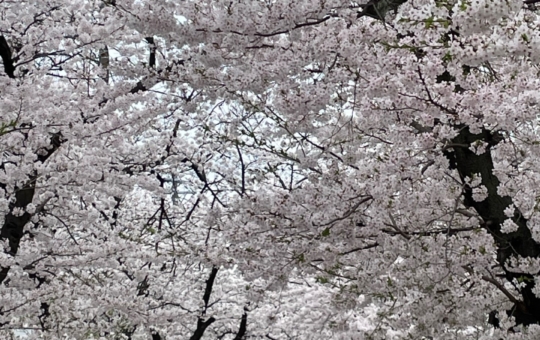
(516, 244)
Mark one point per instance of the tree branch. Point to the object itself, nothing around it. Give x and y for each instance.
(5, 53)
(242, 329)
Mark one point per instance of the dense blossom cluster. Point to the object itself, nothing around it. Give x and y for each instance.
(307, 169)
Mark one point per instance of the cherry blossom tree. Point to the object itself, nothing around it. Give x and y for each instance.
(269, 169)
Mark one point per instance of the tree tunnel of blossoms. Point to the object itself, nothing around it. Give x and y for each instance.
(308, 169)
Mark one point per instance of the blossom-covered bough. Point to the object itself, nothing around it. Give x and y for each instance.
(269, 169)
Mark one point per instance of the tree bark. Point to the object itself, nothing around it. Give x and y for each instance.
(516, 244)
